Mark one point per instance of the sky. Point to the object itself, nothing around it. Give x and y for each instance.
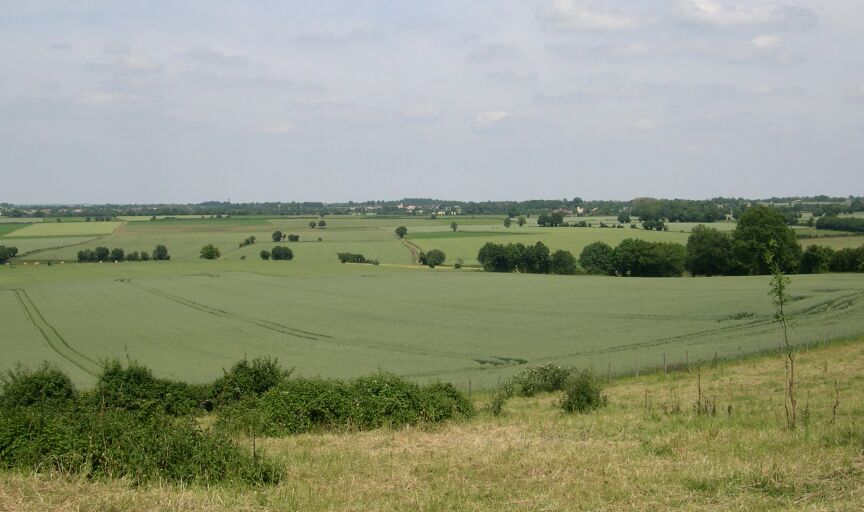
(189, 101)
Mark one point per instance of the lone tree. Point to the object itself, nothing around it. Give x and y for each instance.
(311, 224)
(278, 236)
(282, 253)
(209, 252)
(401, 231)
(624, 218)
(709, 252)
(160, 253)
(265, 254)
(507, 222)
(434, 258)
(322, 224)
(521, 221)
(596, 258)
(454, 226)
(779, 286)
(762, 229)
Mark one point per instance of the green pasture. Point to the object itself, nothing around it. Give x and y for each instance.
(190, 319)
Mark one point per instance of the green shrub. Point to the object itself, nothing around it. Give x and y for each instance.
(540, 379)
(46, 385)
(134, 388)
(582, 393)
(124, 444)
(248, 379)
(303, 405)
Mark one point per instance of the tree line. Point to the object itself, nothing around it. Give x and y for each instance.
(531, 259)
(761, 239)
(853, 224)
(160, 253)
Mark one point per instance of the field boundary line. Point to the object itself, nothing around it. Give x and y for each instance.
(47, 331)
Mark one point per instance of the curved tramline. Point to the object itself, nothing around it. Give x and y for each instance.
(53, 338)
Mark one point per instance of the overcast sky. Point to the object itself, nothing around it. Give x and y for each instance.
(337, 100)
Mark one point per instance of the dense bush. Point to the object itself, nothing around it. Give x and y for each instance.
(303, 405)
(582, 393)
(293, 238)
(350, 257)
(210, 252)
(115, 443)
(249, 379)
(265, 254)
(539, 379)
(46, 385)
(135, 388)
(119, 430)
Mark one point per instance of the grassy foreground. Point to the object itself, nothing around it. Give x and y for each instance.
(639, 453)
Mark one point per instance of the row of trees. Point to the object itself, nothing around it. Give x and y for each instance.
(818, 259)
(279, 252)
(7, 253)
(519, 221)
(278, 236)
(761, 232)
(530, 259)
(248, 241)
(841, 224)
(634, 257)
(160, 253)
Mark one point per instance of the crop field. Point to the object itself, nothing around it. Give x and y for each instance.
(7, 228)
(65, 229)
(190, 319)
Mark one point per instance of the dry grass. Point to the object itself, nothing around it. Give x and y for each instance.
(637, 454)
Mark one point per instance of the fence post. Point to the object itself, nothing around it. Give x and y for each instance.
(665, 370)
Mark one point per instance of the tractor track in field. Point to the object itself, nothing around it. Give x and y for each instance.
(272, 326)
(50, 334)
(415, 251)
(266, 324)
(834, 306)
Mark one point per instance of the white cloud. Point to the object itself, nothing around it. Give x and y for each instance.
(644, 125)
(513, 75)
(116, 48)
(101, 99)
(422, 113)
(206, 56)
(579, 15)
(128, 65)
(491, 51)
(724, 14)
(766, 41)
(278, 128)
(490, 118)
